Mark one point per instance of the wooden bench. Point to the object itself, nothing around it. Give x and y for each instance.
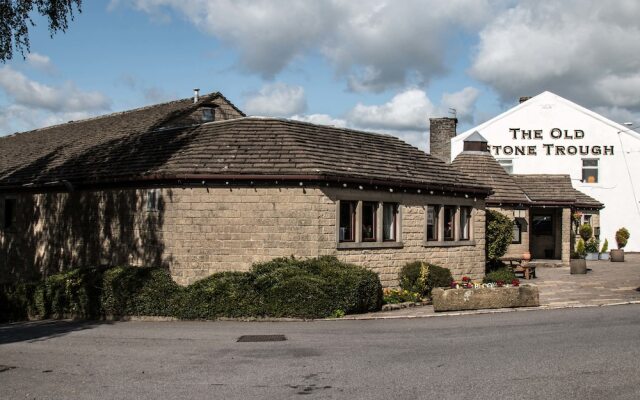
(527, 270)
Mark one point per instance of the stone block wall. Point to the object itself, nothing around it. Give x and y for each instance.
(195, 232)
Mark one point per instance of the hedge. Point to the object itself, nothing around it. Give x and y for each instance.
(505, 275)
(284, 287)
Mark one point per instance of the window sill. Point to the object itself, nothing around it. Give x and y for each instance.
(450, 243)
(370, 245)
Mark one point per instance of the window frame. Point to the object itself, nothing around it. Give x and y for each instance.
(374, 227)
(465, 229)
(394, 224)
(352, 211)
(454, 217)
(359, 242)
(436, 222)
(439, 213)
(152, 200)
(517, 224)
(586, 168)
(506, 162)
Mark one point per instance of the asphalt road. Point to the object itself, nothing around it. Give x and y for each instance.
(591, 353)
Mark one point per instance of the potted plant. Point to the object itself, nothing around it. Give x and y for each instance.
(585, 232)
(604, 253)
(591, 247)
(622, 237)
(578, 265)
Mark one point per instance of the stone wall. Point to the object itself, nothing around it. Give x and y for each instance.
(199, 231)
(517, 249)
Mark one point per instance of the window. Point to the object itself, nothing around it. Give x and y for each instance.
(152, 199)
(465, 223)
(369, 212)
(586, 219)
(507, 164)
(432, 223)
(207, 114)
(347, 221)
(517, 233)
(449, 223)
(589, 170)
(389, 221)
(9, 213)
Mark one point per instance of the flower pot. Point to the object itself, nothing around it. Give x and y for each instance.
(526, 256)
(591, 256)
(617, 255)
(604, 256)
(578, 266)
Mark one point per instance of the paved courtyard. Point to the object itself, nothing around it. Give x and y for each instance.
(606, 283)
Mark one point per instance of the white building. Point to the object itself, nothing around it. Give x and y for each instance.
(548, 134)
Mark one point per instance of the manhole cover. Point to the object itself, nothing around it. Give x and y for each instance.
(262, 338)
(6, 368)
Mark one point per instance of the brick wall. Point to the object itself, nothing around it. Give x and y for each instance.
(199, 231)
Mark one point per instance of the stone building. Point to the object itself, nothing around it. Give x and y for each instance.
(197, 187)
(541, 206)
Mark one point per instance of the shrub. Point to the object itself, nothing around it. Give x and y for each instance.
(585, 232)
(16, 301)
(499, 235)
(395, 296)
(139, 291)
(592, 245)
(622, 236)
(605, 246)
(413, 277)
(316, 287)
(502, 275)
(75, 292)
(438, 277)
(580, 249)
(421, 278)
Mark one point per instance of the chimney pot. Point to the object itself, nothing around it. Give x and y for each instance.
(524, 98)
(196, 95)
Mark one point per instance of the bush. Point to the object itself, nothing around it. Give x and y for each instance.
(75, 292)
(592, 245)
(585, 232)
(499, 235)
(421, 278)
(504, 275)
(284, 287)
(605, 246)
(139, 291)
(580, 249)
(17, 301)
(622, 236)
(395, 296)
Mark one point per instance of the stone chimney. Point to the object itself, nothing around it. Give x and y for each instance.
(524, 98)
(442, 130)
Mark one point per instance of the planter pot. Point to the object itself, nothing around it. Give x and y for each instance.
(592, 256)
(485, 297)
(578, 266)
(617, 255)
(604, 256)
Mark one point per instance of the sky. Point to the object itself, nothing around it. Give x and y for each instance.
(377, 65)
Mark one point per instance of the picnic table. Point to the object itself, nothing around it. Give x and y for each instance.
(520, 265)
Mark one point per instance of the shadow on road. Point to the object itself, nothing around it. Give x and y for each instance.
(34, 331)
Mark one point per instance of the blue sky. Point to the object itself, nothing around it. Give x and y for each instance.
(377, 65)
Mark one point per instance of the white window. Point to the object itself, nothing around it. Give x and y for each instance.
(465, 223)
(152, 199)
(590, 170)
(507, 164)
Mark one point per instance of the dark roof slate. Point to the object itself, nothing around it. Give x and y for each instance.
(554, 189)
(486, 169)
(243, 147)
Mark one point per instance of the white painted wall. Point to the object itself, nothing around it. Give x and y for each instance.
(618, 186)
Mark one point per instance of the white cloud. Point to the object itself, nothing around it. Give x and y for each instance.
(464, 102)
(65, 98)
(40, 62)
(277, 100)
(588, 51)
(321, 119)
(376, 44)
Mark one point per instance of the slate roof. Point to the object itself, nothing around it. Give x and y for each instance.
(121, 149)
(554, 190)
(70, 150)
(486, 169)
